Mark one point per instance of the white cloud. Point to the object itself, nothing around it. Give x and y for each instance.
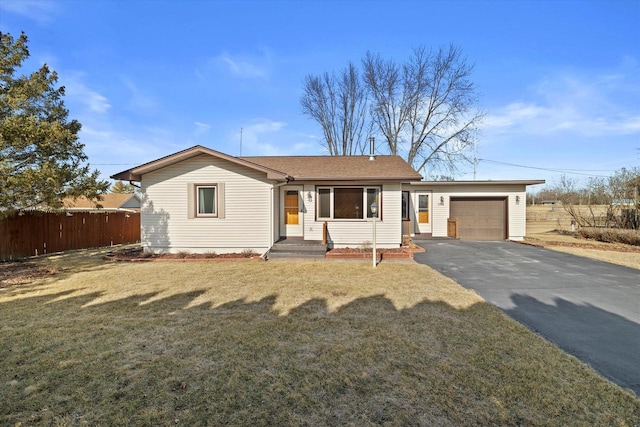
(585, 105)
(42, 11)
(241, 66)
(266, 137)
(261, 137)
(138, 100)
(201, 128)
(80, 93)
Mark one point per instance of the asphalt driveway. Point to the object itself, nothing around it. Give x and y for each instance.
(590, 309)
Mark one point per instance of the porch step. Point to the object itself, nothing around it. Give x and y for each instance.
(298, 248)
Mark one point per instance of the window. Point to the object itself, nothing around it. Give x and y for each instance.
(372, 196)
(324, 203)
(405, 206)
(423, 208)
(347, 202)
(206, 200)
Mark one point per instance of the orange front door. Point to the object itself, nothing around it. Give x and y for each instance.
(291, 218)
(291, 207)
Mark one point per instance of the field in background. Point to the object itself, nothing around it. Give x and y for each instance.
(544, 221)
(545, 218)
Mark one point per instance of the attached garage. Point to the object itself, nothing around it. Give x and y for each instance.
(480, 218)
(486, 210)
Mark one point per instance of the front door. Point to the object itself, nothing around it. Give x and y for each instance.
(291, 207)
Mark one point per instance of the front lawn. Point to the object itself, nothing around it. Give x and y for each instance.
(301, 343)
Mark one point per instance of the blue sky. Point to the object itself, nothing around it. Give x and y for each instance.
(560, 80)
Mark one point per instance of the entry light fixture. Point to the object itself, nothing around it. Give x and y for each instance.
(517, 200)
(441, 200)
(309, 196)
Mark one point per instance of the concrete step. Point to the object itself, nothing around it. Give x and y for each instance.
(277, 255)
(299, 246)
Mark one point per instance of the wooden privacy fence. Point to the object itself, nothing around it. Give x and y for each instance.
(37, 233)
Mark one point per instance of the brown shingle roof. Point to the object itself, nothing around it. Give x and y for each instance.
(316, 168)
(339, 168)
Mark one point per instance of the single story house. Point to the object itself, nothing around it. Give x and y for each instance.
(202, 200)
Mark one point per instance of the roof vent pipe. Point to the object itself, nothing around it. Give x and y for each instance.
(372, 148)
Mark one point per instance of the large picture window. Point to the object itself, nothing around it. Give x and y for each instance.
(347, 202)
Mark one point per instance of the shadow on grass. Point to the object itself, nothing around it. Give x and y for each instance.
(607, 341)
(142, 360)
(31, 273)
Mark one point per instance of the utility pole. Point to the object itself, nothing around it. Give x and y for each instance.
(240, 142)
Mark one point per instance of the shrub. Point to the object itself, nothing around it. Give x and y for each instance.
(366, 246)
(611, 235)
(182, 254)
(248, 253)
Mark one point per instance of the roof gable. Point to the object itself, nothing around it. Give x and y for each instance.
(135, 173)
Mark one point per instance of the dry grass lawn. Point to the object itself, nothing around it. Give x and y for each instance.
(304, 343)
(542, 226)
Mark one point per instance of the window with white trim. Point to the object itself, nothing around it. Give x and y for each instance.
(206, 200)
(344, 203)
(405, 206)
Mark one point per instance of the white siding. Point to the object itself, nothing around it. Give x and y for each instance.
(516, 211)
(355, 233)
(248, 208)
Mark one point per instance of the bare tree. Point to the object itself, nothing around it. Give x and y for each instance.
(426, 107)
(338, 103)
(603, 202)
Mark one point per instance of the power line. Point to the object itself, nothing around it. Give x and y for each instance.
(567, 171)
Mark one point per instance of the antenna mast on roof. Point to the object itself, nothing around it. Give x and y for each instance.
(240, 142)
(475, 158)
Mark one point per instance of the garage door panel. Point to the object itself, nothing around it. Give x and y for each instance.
(480, 218)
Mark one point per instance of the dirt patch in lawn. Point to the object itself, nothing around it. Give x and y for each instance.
(20, 273)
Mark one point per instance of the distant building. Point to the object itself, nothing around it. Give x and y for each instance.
(108, 203)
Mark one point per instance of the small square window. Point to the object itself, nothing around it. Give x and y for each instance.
(206, 200)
